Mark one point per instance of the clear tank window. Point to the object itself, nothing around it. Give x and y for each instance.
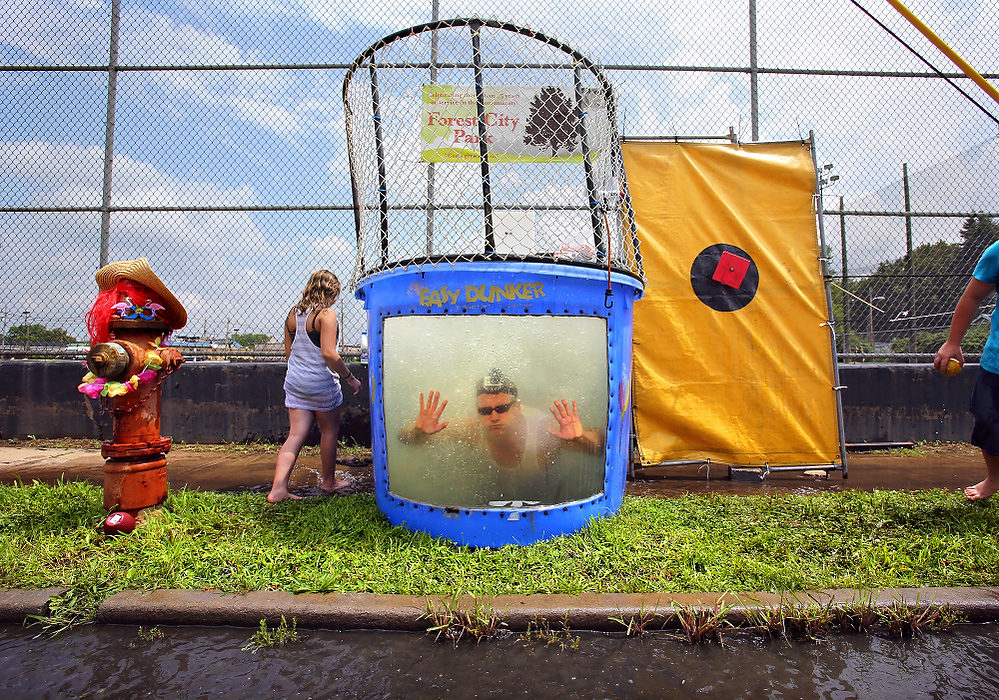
(500, 376)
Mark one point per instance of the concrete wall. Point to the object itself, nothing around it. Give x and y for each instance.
(220, 401)
(902, 403)
(207, 402)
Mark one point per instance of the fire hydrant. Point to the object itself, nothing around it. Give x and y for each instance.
(131, 318)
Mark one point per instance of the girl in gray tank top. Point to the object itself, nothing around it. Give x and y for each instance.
(312, 393)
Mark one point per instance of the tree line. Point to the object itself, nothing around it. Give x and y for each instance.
(37, 334)
(903, 300)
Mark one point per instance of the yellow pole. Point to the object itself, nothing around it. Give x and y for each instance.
(951, 54)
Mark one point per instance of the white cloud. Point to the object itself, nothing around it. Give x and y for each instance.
(271, 117)
(51, 164)
(156, 39)
(221, 265)
(66, 175)
(55, 32)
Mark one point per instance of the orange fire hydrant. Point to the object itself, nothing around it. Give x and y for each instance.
(127, 363)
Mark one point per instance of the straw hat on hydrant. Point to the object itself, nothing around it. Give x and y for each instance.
(139, 271)
(131, 287)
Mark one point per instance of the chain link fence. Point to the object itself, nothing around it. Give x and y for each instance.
(518, 151)
(210, 138)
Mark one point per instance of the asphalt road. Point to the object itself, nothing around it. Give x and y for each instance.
(950, 467)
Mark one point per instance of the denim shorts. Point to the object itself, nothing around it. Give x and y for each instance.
(985, 407)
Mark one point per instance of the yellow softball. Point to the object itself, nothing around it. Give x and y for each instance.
(952, 368)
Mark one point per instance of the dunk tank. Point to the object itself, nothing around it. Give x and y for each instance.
(498, 262)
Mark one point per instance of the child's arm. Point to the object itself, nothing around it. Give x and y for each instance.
(289, 324)
(964, 314)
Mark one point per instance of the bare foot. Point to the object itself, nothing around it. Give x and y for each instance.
(981, 490)
(277, 495)
(337, 485)
(341, 481)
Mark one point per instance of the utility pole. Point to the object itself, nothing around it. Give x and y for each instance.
(910, 263)
(846, 280)
(753, 74)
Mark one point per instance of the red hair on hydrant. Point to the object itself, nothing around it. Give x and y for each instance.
(131, 291)
(128, 297)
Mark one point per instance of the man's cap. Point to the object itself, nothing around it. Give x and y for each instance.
(495, 382)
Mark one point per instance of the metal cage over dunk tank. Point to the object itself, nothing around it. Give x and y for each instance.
(495, 239)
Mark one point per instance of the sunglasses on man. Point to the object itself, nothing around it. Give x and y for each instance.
(502, 408)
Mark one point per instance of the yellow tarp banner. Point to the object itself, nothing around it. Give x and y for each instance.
(732, 360)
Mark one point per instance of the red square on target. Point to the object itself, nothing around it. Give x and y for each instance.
(731, 270)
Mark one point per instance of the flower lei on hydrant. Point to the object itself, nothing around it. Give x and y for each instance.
(94, 386)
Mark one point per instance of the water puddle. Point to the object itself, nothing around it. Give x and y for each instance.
(190, 662)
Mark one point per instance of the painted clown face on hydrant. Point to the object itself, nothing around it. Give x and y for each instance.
(128, 323)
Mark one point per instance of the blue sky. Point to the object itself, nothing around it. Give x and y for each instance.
(276, 137)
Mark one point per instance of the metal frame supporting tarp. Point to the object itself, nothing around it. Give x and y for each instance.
(734, 357)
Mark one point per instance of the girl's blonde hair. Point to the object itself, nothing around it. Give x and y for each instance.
(321, 292)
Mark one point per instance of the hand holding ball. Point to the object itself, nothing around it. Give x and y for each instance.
(952, 368)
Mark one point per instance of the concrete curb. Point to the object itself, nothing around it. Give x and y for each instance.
(17, 604)
(587, 611)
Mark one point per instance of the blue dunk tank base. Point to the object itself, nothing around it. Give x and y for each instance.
(449, 343)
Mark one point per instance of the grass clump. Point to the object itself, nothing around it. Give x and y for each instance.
(794, 620)
(150, 634)
(701, 625)
(266, 637)
(637, 625)
(448, 619)
(236, 542)
(911, 621)
(540, 631)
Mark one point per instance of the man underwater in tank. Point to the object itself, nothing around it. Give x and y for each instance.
(521, 444)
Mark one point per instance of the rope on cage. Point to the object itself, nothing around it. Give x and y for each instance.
(608, 300)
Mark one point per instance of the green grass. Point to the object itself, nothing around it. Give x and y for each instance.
(914, 451)
(51, 536)
(926, 448)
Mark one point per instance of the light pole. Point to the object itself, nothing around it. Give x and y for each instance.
(825, 175)
(870, 311)
(26, 314)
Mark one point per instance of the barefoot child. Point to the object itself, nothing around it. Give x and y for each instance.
(310, 389)
(985, 397)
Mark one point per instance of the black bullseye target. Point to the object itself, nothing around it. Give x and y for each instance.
(724, 277)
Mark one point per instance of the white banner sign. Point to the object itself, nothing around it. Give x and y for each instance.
(523, 124)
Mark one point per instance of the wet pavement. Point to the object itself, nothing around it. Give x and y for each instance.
(951, 467)
(193, 469)
(946, 466)
(112, 662)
